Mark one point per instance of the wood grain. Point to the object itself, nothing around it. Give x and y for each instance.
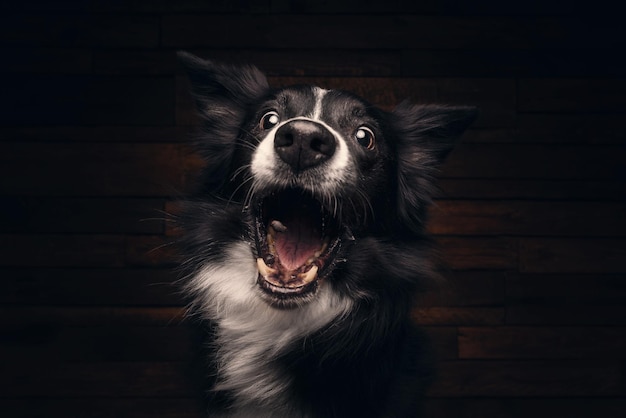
(533, 378)
(542, 343)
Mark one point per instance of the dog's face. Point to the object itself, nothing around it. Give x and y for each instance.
(312, 152)
(307, 174)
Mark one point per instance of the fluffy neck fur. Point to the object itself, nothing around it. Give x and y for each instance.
(250, 334)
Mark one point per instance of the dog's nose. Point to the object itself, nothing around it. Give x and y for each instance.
(304, 144)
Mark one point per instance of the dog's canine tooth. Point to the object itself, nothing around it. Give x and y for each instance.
(263, 268)
(309, 276)
(271, 242)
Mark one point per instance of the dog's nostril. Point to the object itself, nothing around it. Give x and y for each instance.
(303, 144)
(283, 139)
(321, 145)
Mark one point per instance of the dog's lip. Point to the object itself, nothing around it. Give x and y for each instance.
(284, 279)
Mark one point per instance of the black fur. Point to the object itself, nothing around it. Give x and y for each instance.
(369, 362)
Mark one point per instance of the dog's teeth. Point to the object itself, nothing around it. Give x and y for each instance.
(270, 240)
(264, 269)
(278, 226)
(309, 276)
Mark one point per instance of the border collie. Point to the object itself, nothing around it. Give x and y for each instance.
(304, 244)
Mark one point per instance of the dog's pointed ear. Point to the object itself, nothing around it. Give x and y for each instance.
(425, 134)
(433, 129)
(222, 84)
(224, 95)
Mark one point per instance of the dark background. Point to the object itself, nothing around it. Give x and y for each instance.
(531, 217)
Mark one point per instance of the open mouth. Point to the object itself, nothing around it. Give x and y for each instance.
(296, 240)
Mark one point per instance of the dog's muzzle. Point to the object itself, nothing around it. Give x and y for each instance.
(304, 144)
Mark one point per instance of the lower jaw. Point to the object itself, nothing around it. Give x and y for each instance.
(285, 298)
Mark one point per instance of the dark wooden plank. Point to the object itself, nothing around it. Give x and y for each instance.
(565, 289)
(108, 379)
(596, 128)
(167, 7)
(151, 251)
(93, 100)
(532, 189)
(529, 378)
(43, 5)
(572, 95)
(471, 253)
(103, 408)
(62, 250)
(497, 62)
(534, 161)
(90, 287)
(96, 169)
(104, 133)
(77, 61)
(90, 316)
(519, 408)
(443, 341)
(326, 62)
(574, 255)
(522, 218)
(129, 101)
(542, 343)
(457, 316)
(566, 315)
(397, 31)
(105, 343)
(173, 227)
(126, 62)
(80, 30)
(454, 7)
(466, 288)
(81, 215)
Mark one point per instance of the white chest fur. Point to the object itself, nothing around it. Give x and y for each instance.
(250, 333)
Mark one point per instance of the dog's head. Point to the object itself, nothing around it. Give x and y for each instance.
(304, 174)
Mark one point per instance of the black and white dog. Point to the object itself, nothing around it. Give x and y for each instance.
(305, 244)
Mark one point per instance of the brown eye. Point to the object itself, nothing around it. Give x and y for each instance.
(269, 120)
(365, 137)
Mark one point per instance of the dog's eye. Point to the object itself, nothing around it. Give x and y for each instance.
(269, 120)
(365, 137)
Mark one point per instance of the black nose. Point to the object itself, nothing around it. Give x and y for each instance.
(304, 144)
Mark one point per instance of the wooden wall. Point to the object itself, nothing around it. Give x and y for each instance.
(531, 218)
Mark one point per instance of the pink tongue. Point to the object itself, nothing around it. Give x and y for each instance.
(297, 244)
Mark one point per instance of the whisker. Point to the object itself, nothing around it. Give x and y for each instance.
(250, 134)
(242, 184)
(240, 170)
(160, 247)
(366, 204)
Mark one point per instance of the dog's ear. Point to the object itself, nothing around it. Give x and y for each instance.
(223, 94)
(426, 134)
(215, 84)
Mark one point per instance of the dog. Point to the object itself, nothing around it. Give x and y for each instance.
(304, 244)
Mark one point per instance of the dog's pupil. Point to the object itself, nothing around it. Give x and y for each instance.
(269, 120)
(364, 138)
